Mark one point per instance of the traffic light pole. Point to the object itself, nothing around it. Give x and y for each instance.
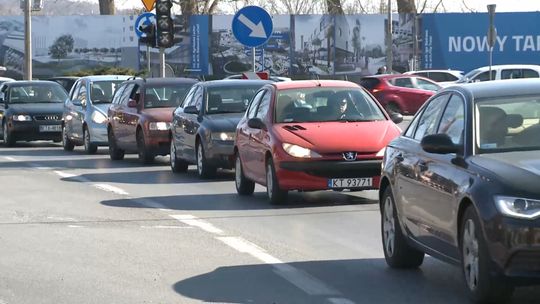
(148, 59)
(28, 40)
(161, 62)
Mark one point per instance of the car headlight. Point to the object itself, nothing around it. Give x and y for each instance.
(224, 136)
(381, 152)
(518, 207)
(301, 152)
(22, 118)
(98, 117)
(159, 126)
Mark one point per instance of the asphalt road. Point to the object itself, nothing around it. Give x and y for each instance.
(76, 228)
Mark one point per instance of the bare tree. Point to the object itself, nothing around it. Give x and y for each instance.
(406, 6)
(198, 7)
(106, 7)
(334, 7)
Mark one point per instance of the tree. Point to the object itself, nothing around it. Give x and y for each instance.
(106, 7)
(334, 7)
(406, 6)
(61, 47)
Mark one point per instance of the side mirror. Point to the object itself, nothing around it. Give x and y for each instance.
(396, 117)
(77, 102)
(439, 144)
(191, 110)
(256, 123)
(132, 103)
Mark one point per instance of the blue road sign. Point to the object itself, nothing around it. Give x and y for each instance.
(144, 19)
(252, 26)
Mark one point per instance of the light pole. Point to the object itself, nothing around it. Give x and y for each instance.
(492, 35)
(389, 55)
(27, 39)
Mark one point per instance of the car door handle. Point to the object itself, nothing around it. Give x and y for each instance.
(399, 157)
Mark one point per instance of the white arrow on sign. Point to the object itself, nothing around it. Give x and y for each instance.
(257, 30)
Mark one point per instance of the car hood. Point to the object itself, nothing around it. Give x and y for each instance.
(36, 108)
(102, 107)
(224, 122)
(520, 170)
(158, 114)
(337, 137)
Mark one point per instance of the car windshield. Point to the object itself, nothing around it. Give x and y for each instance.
(103, 91)
(230, 99)
(165, 96)
(508, 124)
(326, 104)
(37, 93)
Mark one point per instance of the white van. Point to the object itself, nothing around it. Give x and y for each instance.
(498, 72)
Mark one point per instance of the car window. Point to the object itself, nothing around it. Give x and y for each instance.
(403, 82)
(197, 98)
(102, 91)
(511, 73)
(187, 99)
(262, 109)
(423, 74)
(254, 103)
(75, 90)
(230, 99)
(484, 76)
(453, 119)
(527, 73)
(164, 95)
(126, 94)
(428, 121)
(117, 94)
(426, 85)
(412, 126)
(81, 96)
(437, 76)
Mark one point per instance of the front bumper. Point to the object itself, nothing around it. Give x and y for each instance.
(315, 175)
(158, 142)
(98, 133)
(220, 153)
(30, 130)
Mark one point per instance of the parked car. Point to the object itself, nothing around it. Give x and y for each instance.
(85, 112)
(333, 139)
(501, 72)
(273, 78)
(443, 77)
(400, 93)
(140, 116)
(461, 184)
(31, 110)
(5, 79)
(204, 125)
(66, 81)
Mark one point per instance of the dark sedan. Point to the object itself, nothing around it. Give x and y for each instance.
(462, 184)
(204, 125)
(31, 110)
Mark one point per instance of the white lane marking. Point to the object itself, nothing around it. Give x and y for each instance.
(64, 174)
(10, 158)
(195, 222)
(165, 227)
(75, 226)
(299, 278)
(110, 188)
(340, 301)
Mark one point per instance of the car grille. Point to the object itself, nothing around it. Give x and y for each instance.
(51, 117)
(341, 172)
(524, 261)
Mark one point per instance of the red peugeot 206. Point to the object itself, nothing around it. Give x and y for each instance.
(312, 135)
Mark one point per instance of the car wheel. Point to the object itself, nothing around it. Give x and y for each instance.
(203, 168)
(244, 186)
(67, 144)
(145, 155)
(177, 165)
(275, 194)
(483, 285)
(393, 107)
(89, 147)
(114, 152)
(9, 140)
(397, 252)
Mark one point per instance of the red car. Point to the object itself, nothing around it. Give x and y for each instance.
(311, 135)
(399, 93)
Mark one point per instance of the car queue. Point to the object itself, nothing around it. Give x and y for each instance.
(459, 184)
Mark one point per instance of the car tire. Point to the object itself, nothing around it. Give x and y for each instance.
(9, 139)
(89, 147)
(67, 144)
(244, 186)
(204, 170)
(276, 196)
(145, 155)
(177, 165)
(483, 286)
(393, 107)
(114, 152)
(397, 252)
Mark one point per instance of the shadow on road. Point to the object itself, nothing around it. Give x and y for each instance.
(232, 201)
(361, 281)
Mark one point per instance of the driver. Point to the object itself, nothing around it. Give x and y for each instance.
(44, 94)
(339, 107)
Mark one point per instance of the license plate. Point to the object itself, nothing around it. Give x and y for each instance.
(362, 182)
(50, 128)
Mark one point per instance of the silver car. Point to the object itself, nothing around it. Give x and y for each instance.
(85, 112)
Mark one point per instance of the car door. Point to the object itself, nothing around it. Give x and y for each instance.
(114, 108)
(131, 118)
(179, 121)
(3, 100)
(441, 175)
(191, 125)
(409, 188)
(258, 143)
(404, 88)
(69, 109)
(78, 111)
(119, 116)
(244, 136)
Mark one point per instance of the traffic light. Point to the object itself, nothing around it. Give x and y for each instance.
(149, 30)
(165, 23)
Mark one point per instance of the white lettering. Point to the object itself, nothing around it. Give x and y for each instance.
(468, 44)
(454, 44)
(482, 44)
(502, 41)
(517, 39)
(528, 45)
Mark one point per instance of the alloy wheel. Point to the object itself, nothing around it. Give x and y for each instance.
(269, 181)
(199, 159)
(470, 255)
(173, 155)
(389, 228)
(238, 172)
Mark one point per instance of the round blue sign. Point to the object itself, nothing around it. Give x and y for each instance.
(144, 19)
(252, 26)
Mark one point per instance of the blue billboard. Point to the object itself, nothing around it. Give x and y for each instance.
(459, 41)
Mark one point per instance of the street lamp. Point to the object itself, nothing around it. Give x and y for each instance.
(492, 35)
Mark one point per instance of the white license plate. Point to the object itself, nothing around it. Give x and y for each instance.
(50, 128)
(362, 182)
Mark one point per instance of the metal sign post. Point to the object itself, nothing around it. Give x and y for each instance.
(162, 62)
(492, 34)
(28, 40)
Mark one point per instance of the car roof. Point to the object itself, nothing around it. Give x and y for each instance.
(64, 77)
(234, 82)
(453, 72)
(107, 77)
(165, 80)
(510, 66)
(286, 85)
(29, 82)
(499, 88)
